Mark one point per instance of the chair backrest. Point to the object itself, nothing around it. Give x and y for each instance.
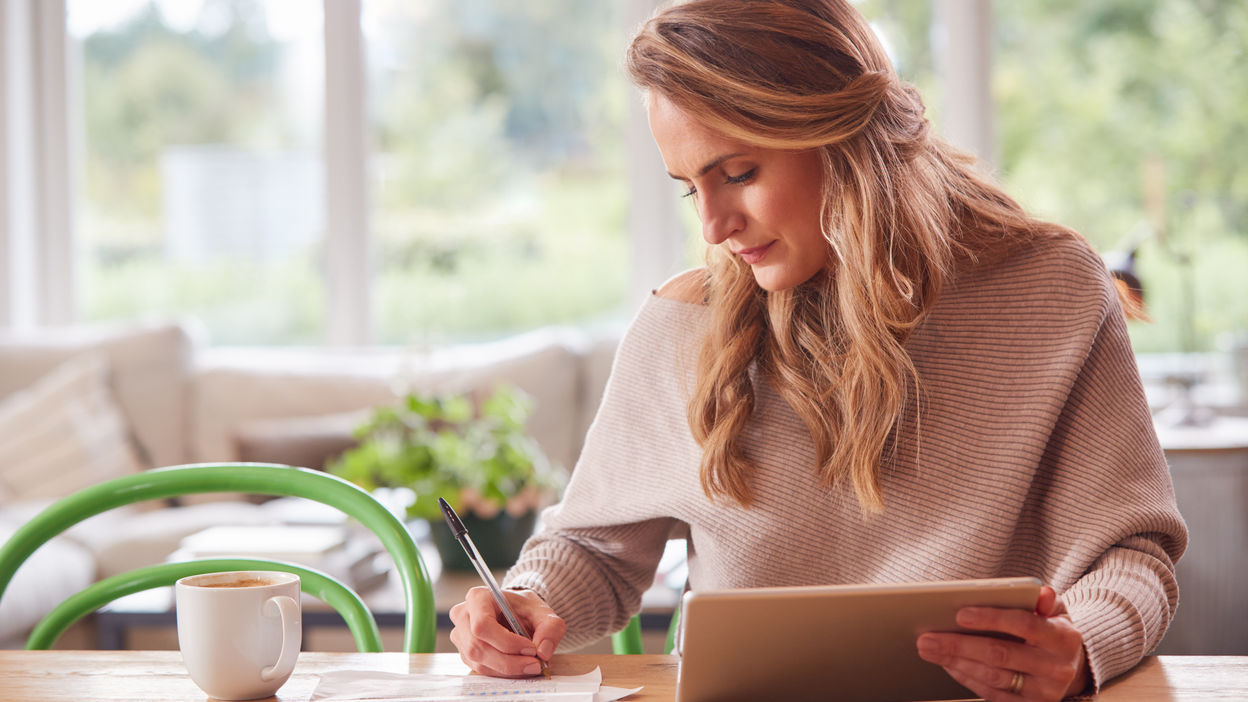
(627, 641)
(354, 612)
(255, 478)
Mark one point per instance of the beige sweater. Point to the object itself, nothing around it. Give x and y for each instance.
(1037, 457)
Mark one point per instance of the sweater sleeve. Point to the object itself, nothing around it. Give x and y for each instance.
(1112, 497)
(596, 551)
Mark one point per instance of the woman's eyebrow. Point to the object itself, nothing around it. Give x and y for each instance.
(707, 168)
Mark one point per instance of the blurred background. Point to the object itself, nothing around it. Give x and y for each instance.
(493, 176)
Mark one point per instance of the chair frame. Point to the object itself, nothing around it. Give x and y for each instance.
(321, 585)
(627, 641)
(255, 478)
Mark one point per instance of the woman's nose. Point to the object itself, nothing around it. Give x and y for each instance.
(720, 220)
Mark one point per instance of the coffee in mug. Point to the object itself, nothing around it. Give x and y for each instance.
(239, 632)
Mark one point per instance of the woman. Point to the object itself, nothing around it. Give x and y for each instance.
(884, 357)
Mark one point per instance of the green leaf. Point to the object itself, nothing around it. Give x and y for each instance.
(438, 445)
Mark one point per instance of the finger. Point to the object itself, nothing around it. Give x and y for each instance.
(1047, 602)
(548, 631)
(484, 670)
(484, 658)
(988, 692)
(945, 649)
(992, 677)
(1028, 626)
(547, 628)
(459, 614)
(485, 621)
(1050, 603)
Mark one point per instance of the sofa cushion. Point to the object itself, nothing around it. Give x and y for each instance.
(134, 540)
(310, 442)
(55, 571)
(233, 395)
(149, 364)
(235, 389)
(63, 433)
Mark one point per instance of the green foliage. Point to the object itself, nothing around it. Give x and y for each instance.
(502, 204)
(146, 87)
(1092, 97)
(492, 271)
(445, 446)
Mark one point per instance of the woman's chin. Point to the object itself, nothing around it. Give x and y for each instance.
(778, 278)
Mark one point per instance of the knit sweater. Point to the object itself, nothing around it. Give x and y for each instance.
(1035, 456)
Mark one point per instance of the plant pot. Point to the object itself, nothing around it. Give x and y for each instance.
(498, 539)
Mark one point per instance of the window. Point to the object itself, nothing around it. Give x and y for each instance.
(497, 189)
(500, 193)
(1124, 120)
(201, 166)
(507, 175)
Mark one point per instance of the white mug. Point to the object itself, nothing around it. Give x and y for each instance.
(240, 631)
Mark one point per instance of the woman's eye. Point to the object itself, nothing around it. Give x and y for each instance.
(728, 180)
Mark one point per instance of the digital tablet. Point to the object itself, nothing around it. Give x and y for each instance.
(843, 642)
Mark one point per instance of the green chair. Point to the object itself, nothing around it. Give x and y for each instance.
(254, 478)
(627, 641)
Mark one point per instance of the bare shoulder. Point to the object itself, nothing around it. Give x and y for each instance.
(689, 286)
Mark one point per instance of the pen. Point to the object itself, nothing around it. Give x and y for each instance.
(461, 535)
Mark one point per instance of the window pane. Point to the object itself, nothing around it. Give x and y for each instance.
(500, 193)
(1124, 119)
(203, 184)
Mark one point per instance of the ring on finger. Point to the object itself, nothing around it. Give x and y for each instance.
(1016, 684)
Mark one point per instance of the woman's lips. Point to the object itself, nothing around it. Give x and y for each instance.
(754, 255)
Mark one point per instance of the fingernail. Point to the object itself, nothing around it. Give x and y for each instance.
(929, 650)
(547, 649)
(532, 669)
(529, 651)
(968, 616)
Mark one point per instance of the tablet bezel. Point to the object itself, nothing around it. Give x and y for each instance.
(853, 642)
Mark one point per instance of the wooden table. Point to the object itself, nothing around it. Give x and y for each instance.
(136, 676)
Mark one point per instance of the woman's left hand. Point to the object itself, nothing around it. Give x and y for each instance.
(1048, 664)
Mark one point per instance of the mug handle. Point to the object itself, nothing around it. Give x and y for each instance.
(292, 629)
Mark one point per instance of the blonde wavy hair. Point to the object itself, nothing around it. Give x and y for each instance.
(902, 211)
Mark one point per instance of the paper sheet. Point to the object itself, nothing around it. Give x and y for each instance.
(366, 686)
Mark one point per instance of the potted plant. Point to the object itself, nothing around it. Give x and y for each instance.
(476, 455)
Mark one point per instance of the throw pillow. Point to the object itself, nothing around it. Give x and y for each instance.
(308, 442)
(63, 433)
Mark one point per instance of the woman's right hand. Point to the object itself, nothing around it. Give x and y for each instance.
(488, 646)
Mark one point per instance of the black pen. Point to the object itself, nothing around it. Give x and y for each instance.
(461, 535)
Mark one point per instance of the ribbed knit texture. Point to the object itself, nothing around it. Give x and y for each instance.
(1035, 456)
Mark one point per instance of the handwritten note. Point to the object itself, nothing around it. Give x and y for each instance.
(365, 685)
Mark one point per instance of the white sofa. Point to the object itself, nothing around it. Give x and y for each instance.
(109, 400)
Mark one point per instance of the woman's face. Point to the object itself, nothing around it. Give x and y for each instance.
(762, 204)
